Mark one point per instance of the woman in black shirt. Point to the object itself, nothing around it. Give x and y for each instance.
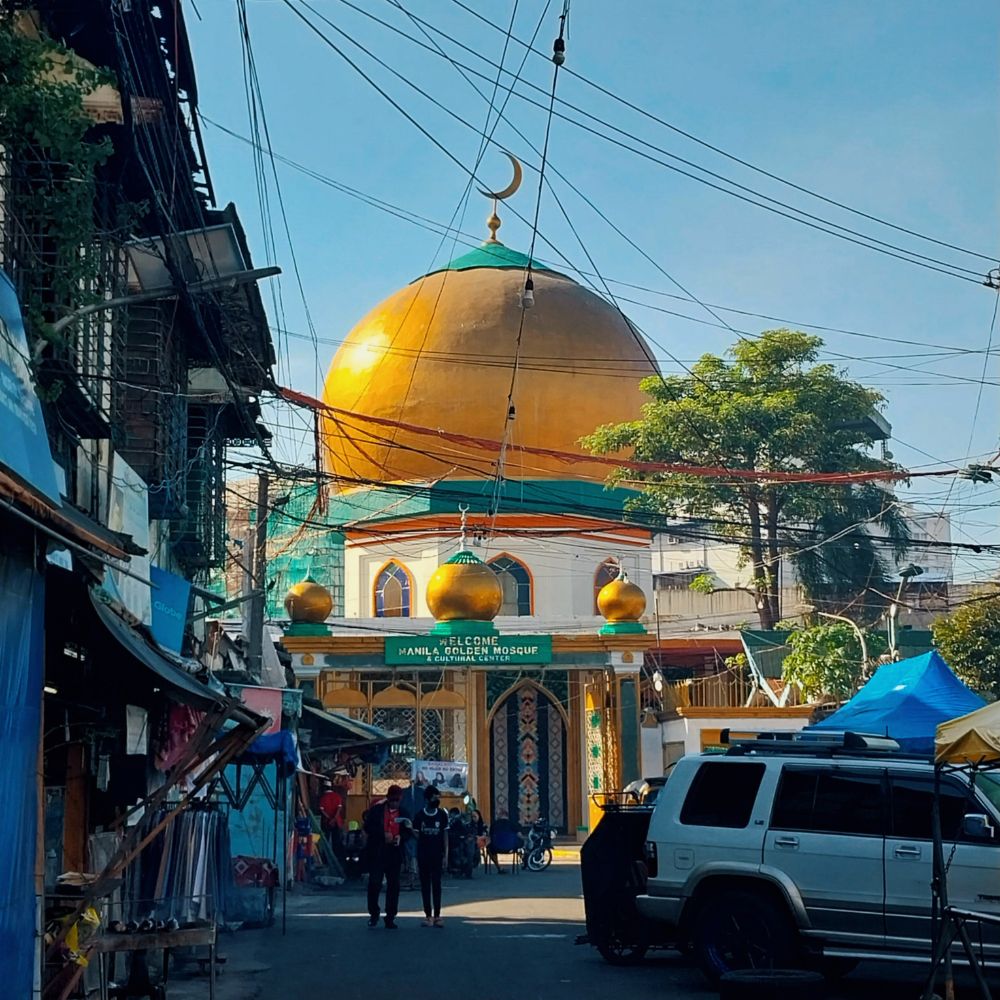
(431, 828)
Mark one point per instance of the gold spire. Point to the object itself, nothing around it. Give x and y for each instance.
(493, 223)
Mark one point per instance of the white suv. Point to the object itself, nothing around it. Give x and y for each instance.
(781, 854)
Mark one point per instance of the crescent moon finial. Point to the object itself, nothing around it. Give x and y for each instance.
(512, 187)
(493, 223)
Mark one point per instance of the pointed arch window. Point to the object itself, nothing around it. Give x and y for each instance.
(515, 581)
(392, 592)
(606, 572)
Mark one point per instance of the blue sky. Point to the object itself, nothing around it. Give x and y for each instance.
(888, 107)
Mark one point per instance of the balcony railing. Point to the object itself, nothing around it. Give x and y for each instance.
(727, 689)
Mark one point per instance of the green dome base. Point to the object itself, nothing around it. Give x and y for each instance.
(463, 628)
(307, 629)
(622, 628)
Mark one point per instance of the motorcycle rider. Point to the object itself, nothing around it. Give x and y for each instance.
(430, 826)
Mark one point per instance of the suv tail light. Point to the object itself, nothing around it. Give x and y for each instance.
(649, 852)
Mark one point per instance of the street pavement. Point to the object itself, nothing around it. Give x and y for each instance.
(507, 937)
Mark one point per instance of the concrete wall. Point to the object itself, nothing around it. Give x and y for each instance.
(651, 751)
(688, 730)
(562, 573)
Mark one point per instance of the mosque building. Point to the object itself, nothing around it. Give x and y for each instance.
(490, 598)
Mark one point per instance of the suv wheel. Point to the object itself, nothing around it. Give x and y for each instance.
(742, 930)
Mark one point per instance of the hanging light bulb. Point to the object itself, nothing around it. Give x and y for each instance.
(528, 298)
(658, 681)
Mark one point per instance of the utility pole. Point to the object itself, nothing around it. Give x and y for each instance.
(906, 574)
(255, 634)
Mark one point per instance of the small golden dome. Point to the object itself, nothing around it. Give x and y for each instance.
(464, 589)
(308, 601)
(621, 601)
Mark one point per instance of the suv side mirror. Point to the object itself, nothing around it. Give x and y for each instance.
(977, 826)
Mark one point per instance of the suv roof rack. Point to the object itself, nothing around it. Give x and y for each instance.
(812, 744)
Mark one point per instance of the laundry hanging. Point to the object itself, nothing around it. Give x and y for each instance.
(186, 874)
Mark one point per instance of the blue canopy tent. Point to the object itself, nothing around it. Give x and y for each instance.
(907, 701)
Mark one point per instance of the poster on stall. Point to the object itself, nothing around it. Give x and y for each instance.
(450, 776)
(128, 513)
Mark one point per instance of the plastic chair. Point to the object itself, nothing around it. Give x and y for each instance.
(507, 842)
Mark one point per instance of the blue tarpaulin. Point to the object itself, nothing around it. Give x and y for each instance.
(907, 701)
(21, 645)
(280, 747)
(24, 446)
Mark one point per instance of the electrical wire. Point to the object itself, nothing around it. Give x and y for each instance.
(470, 240)
(876, 245)
(844, 233)
(732, 157)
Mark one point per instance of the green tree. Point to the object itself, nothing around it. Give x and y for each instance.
(53, 154)
(827, 659)
(969, 641)
(768, 406)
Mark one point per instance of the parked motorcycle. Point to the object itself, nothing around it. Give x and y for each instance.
(537, 853)
(355, 860)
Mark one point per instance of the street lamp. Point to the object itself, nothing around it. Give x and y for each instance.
(228, 283)
(906, 574)
(865, 663)
(208, 259)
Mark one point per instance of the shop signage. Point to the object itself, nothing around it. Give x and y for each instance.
(171, 596)
(473, 650)
(24, 446)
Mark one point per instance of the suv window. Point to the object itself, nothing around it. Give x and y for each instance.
(913, 805)
(827, 800)
(722, 794)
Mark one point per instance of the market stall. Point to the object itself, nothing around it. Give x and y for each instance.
(907, 700)
(970, 746)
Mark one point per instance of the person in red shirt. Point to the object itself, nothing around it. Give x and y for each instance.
(331, 805)
(385, 856)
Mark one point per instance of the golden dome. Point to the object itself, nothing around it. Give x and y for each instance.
(621, 601)
(308, 601)
(464, 589)
(439, 354)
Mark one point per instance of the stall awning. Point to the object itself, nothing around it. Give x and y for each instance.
(970, 739)
(340, 732)
(907, 700)
(182, 684)
(63, 522)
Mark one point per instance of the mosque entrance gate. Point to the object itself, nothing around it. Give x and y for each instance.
(528, 750)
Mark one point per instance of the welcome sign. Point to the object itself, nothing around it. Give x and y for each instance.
(469, 650)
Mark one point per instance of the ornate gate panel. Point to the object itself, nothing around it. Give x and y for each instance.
(528, 758)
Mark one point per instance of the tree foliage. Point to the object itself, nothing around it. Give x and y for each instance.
(827, 659)
(969, 641)
(53, 158)
(768, 405)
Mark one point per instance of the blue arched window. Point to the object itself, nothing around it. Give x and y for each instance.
(606, 572)
(392, 592)
(516, 583)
